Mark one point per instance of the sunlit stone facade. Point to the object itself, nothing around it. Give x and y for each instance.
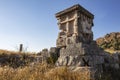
(75, 24)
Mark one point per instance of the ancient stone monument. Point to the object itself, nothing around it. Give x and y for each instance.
(75, 40)
(75, 47)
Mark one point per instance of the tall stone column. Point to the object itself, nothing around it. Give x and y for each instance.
(76, 23)
(75, 26)
(67, 26)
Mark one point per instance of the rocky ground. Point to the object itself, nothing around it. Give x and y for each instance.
(110, 42)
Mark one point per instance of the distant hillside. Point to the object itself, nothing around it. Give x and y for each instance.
(110, 41)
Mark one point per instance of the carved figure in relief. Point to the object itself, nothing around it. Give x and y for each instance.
(86, 26)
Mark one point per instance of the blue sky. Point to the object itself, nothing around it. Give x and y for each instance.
(33, 22)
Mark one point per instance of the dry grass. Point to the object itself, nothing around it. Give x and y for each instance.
(7, 52)
(41, 72)
(37, 71)
(14, 52)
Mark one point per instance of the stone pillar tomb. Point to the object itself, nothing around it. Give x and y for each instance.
(75, 40)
